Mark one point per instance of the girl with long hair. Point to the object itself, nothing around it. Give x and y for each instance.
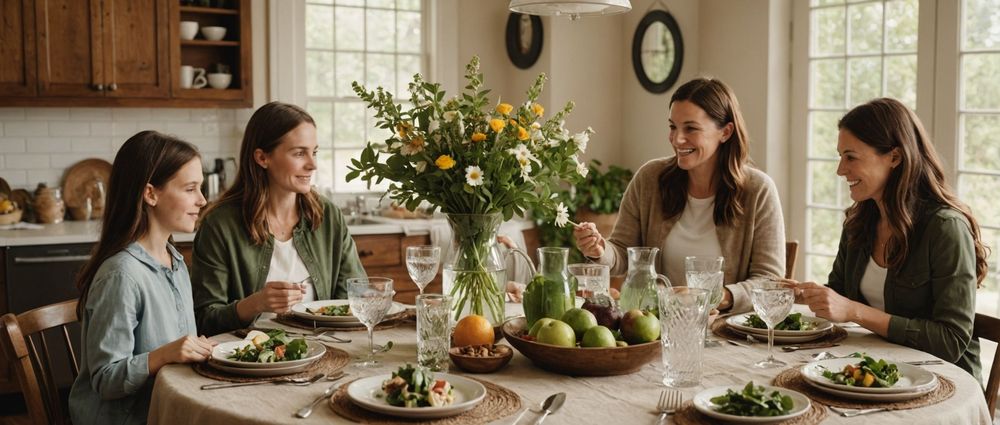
(271, 241)
(135, 293)
(911, 256)
(705, 200)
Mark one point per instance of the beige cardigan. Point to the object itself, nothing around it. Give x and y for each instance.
(753, 247)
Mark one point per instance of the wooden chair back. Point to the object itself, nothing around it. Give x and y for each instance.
(791, 253)
(988, 327)
(25, 346)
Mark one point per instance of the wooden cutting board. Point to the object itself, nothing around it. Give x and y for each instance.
(80, 180)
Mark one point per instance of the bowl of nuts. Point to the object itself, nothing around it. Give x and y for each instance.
(481, 358)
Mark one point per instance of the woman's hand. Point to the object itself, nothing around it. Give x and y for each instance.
(589, 240)
(274, 297)
(186, 349)
(827, 303)
(515, 291)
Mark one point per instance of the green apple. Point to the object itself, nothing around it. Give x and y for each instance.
(639, 327)
(621, 344)
(598, 336)
(580, 320)
(558, 333)
(538, 325)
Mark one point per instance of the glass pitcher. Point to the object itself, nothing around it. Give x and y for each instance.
(639, 288)
(552, 291)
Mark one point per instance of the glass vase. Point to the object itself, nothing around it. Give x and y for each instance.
(474, 271)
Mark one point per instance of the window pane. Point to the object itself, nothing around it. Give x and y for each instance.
(979, 192)
(824, 230)
(981, 81)
(408, 34)
(865, 23)
(350, 125)
(981, 18)
(350, 2)
(381, 30)
(828, 31)
(350, 28)
(823, 134)
(819, 268)
(320, 2)
(322, 113)
(901, 79)
(408, 4)
(901, 26)
(980, 149)
(382, 3)
(823, 183)
(407, 66)
(319, 73)
(319, 27)
(341, 160)
(828, 80)
(826, 2)
(866, 79)
(382, 72)
(350, 68)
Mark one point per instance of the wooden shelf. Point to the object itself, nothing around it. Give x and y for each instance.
(223, 43)
(212, 10)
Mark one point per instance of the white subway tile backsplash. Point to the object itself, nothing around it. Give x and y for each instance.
(46, 114)
(130, 114)
(172, 114)
(102, 129)
(64, 160)
(90, 114)
(11, 114)
(92, 144)
(11, 145)
(123, 130)
(26, 128)
(15, 178)
(69, 128)
(51, 177)
(48, 144)
(184, 130)
(25, 161)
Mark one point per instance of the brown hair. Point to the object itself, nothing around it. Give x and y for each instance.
(147, 157)
(719, 102)
(264, 131)
(886, 124)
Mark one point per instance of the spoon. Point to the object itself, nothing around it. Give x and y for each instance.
(294, 381)
(552, 404)
(308, 409)
(534, 409)
(826, 355)
(383, 348)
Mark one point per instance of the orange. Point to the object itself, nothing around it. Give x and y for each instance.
(472, 330)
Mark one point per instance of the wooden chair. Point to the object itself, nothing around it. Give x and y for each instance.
(988, 327)
(791, 253)
(22, 337)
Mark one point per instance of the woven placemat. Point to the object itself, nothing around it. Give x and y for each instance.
(499, 402)
(333, 360)
(688, 415)
(793, 379)
(300, 323)
(722, 330)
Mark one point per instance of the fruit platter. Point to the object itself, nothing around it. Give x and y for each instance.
(9, 211)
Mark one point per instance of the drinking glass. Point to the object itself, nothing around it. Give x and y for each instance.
(433, 331)
(771, 302)
(592, 279)
(422, 264)
(683, 313)
(370, 299)
(705, 272)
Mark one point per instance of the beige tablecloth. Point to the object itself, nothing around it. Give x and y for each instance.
(618, 400)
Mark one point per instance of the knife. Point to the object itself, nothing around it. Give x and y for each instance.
(553, 403)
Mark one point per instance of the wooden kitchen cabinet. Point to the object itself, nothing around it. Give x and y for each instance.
(18, 73)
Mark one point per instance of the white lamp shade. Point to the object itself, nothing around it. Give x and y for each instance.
(572, 8)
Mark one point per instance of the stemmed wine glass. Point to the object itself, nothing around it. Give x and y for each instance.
(422, 264)
(370, 299)
(771, 302)
(705, 272)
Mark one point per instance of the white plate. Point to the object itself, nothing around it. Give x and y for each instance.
(367, 393)
(822, 326)
(703, 403)
(260, 372)
(301, 310)
(781, 339)
(869, 396)
(221, 353)
(912, 379)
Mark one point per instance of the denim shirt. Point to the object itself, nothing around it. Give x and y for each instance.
(135, 305)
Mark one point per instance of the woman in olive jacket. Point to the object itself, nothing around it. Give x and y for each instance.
(910, 257)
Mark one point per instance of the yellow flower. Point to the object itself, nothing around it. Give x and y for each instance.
(513, 121)
(404, 128)
(537, 109)
(522, 134)
(478, 137)
(504, 108)
(497, 125)
(444, 162)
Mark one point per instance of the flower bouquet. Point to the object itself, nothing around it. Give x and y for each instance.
(478, 162)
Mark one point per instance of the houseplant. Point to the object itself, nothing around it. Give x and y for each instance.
(478, 162)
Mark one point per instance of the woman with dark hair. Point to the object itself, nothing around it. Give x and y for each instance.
(910, 256)
(271, 241)
(705, 200)
(135, 293)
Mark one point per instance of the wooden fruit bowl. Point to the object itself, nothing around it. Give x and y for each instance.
(473, 364)
(11, 217)
(580, 361)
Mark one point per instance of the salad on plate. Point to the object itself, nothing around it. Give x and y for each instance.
(416, 387)
(867, 373)
(270, 347)
(331, 310)
(753, 401)
(792, 322)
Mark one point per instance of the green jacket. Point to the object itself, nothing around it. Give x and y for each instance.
(932, 295)
(228, 267)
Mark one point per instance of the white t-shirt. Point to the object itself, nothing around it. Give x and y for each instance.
(693, 234)
(873, 284)
(286, 266)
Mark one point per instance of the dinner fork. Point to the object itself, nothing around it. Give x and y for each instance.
(850, 413)
(670, 401)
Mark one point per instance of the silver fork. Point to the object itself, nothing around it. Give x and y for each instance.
(670, 401)
(850, 413)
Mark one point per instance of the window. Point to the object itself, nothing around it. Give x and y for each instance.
(374, 42)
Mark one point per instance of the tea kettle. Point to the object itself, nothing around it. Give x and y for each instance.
(216, 180)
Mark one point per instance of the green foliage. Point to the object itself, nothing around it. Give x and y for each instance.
(753, 401)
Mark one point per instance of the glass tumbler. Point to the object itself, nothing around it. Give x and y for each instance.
(683, 313)
(433, 331)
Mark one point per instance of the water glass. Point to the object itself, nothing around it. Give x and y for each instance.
(771, 302)
(593, 279)
(705, 272)
(370, 299)
(683, 314)
(422, 264)
(433, 331)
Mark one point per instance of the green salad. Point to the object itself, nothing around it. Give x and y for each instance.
(753, 401)
(867, 373)
(271, 347)
(331, 310)
(416, 387)
(792, 322)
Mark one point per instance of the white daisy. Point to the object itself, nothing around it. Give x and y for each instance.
(473, 175)
(420, 166)
(451, 116)
(582, 169)
(433, 126)
(562, 215)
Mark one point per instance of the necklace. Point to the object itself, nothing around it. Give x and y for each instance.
(280, 229)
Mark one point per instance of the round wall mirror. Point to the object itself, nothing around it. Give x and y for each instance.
(657, 51)
(524, 39)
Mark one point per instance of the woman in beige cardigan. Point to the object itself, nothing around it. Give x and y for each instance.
(708, 188)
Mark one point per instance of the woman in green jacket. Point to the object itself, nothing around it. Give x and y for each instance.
(271, 241)
(910, 257)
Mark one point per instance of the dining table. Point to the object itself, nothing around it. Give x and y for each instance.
(625, 399)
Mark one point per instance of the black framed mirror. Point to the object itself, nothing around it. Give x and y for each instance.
(524, 39)
(657, 51)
